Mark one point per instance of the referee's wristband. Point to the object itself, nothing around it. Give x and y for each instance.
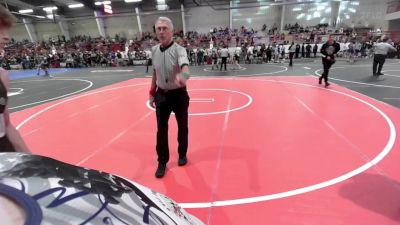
(185, 75)
(152, 92)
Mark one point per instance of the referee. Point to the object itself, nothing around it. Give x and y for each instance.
(381, 51)
(224, 56)
(168, 92)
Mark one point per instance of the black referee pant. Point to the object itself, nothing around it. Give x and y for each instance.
(168, 101)
(5, 145)
(149, 63)
(223, 62)
(291, 54)
(379, 59)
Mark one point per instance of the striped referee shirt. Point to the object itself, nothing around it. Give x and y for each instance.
(167, 63)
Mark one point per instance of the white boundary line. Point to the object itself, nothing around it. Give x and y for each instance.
(354, 82)
(55, 98)
(390, 74)
(314, 187)
(247, 75)
(225, 71)
(217, 112)
(19, 89)
(202, 100)
(13, 93)
(263, 74)
(70, 99)
(392, 98)
(369, 164)
(221, 149)
(366, 65)
(112, 71)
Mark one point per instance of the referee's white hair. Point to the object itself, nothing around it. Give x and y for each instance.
(166, 20)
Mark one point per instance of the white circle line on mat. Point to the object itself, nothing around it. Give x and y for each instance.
(70, 99)
(388, 147)
(250, 100)
(354, 82)
(249, 200)
(58, 97)
(224, 71)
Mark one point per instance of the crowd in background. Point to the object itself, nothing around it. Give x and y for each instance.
(249, 45)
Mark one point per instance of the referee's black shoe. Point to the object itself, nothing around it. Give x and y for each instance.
(161, 170)
(182, 161)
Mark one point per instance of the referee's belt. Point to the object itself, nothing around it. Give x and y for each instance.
(170, 90)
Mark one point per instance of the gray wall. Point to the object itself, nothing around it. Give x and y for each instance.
(83, 27)
(202, 19)
(369, 13)
(148, 21)
(19, 33)
(394, 25)
(256, 17)
(125, 26)
(46, 30)
(309, 14)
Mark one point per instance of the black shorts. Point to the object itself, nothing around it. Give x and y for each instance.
(5, 145)
(236, 57)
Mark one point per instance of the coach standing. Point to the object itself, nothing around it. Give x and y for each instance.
(168, 92)
(328, 53)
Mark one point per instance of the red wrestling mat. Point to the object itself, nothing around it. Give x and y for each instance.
(271, 150)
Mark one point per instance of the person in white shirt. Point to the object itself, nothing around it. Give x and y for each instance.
(214, 57)
(236, 57)
(277, 53)
(292, 51)
(249, 56)
(224, 56)
(381, 51)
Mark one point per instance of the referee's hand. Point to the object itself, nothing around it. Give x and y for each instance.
(180, 81)
(152, 102)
